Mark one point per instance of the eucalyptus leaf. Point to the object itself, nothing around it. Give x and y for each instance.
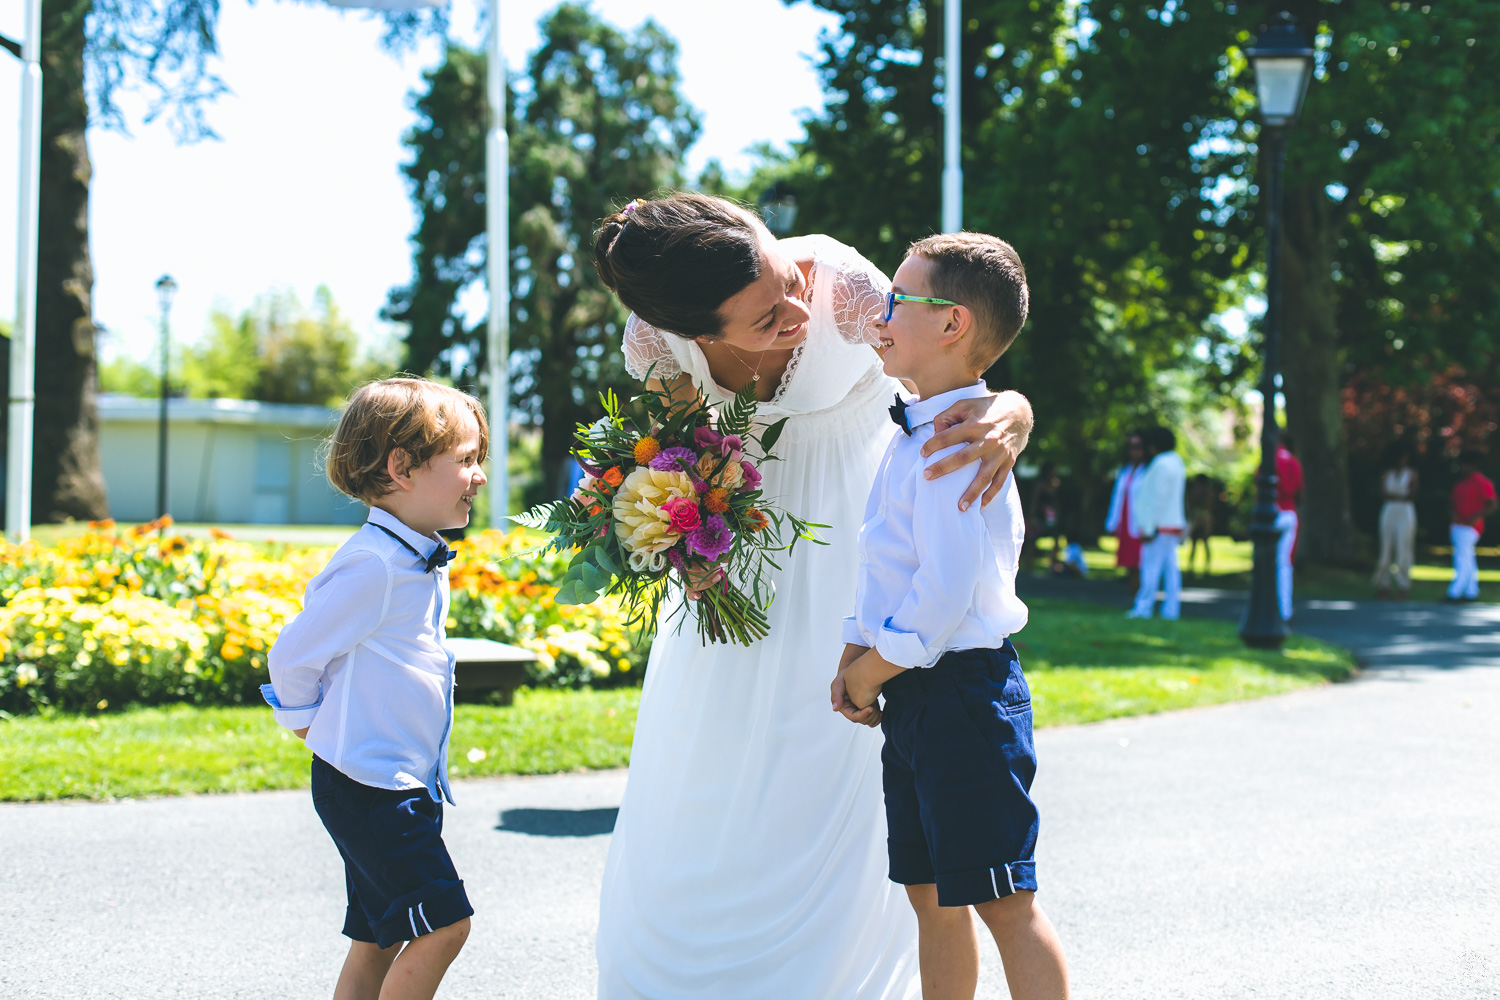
(772, 434)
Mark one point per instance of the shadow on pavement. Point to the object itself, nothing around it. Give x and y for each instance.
(559, 822)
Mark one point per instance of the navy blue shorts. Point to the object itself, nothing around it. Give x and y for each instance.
(401, 882)
(959, 760)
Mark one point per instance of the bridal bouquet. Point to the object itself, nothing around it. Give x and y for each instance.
(672, 495)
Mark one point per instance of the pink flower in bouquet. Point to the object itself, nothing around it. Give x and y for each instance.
(752, 476)
(732, 447)
(707, 437)
(712, 539)
(674, 460)
(682, 514)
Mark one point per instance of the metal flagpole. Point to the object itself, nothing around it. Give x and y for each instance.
(22, 412)
(953, 172)
(497, 221)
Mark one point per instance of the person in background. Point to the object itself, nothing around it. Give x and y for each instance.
(1044, 517)
(1121, 520)
(1398, 522)
(1472, 499)
(1288, 493)
(1201, 494)
(568, 478)
(1162, 521)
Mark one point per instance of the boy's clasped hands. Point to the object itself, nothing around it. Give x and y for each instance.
(856, 686)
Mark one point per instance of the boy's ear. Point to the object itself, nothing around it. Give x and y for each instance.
(398, 467)
(960, 320)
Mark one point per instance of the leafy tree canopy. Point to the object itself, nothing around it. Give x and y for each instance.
(1115, 144)
(597, 119)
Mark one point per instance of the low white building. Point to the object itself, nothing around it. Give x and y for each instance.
(229, 461)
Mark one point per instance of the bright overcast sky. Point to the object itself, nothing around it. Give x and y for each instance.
(305, 189)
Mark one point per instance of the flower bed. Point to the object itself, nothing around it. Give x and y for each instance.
(142, 617)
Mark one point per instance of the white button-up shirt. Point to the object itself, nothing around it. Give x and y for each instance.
(364, 666)
(933, 578)
(1158, 501)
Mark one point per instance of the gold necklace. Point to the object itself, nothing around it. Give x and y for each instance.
(754, 372)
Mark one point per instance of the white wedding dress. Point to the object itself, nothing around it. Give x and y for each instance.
(749, 859)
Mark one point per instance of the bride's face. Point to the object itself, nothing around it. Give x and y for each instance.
(769, 315)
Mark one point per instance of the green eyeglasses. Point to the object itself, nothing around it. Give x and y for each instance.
(891, 298)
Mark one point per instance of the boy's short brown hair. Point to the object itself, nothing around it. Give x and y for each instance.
(419, 417)
(984, 274)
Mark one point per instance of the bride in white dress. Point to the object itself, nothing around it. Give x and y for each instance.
(749, 858)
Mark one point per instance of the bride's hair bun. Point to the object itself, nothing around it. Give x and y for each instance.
(674, 261)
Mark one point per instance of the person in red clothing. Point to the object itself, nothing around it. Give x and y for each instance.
(1472, 499)
(1121, 520)
(1288, 492)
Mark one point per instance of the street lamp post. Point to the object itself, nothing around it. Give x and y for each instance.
(1283, 67)
(165, 289)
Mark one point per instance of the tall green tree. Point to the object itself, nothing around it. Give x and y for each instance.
(1064, 161)
(597, 119)
(1115, 143)
(92, 51)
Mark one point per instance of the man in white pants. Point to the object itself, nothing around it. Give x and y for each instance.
(1161, 520)
(1288, 492)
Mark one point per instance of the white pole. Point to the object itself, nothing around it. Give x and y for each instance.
(953, 172)
(497, 221)
(22, 410)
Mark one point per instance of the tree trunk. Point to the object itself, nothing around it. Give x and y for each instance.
(1311, 366)
(66, 478)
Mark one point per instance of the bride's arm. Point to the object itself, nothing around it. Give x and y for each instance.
(995, 430)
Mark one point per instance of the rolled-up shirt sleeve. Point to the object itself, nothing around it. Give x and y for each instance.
(853, 634)
(343, 606)
(950, 546)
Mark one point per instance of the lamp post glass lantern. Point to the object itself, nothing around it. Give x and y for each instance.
(1283, 68)
(166, 289)
(778, 207)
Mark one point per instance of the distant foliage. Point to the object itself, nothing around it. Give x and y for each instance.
(277, 351)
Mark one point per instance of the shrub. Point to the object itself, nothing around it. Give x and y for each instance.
(119, 617)
(504, 590)
(63, 650)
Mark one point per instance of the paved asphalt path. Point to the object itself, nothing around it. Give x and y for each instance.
(1336, 843)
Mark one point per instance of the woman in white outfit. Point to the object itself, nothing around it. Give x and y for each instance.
(749, 859)
(1398, 523)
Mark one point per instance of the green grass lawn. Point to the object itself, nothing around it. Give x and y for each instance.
(1084, 662)
(1230, 562)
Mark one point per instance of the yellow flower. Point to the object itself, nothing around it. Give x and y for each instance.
(641, 525)
(646, 449)
(730, 477)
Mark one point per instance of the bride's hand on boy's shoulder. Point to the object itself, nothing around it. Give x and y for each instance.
(994, 430)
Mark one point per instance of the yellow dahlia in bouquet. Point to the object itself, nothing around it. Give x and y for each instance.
(671, 497)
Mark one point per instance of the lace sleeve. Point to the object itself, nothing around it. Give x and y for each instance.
(645, 346)
(859, 289)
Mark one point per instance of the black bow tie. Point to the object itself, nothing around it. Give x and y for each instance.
(898, 414)
(441, 556)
